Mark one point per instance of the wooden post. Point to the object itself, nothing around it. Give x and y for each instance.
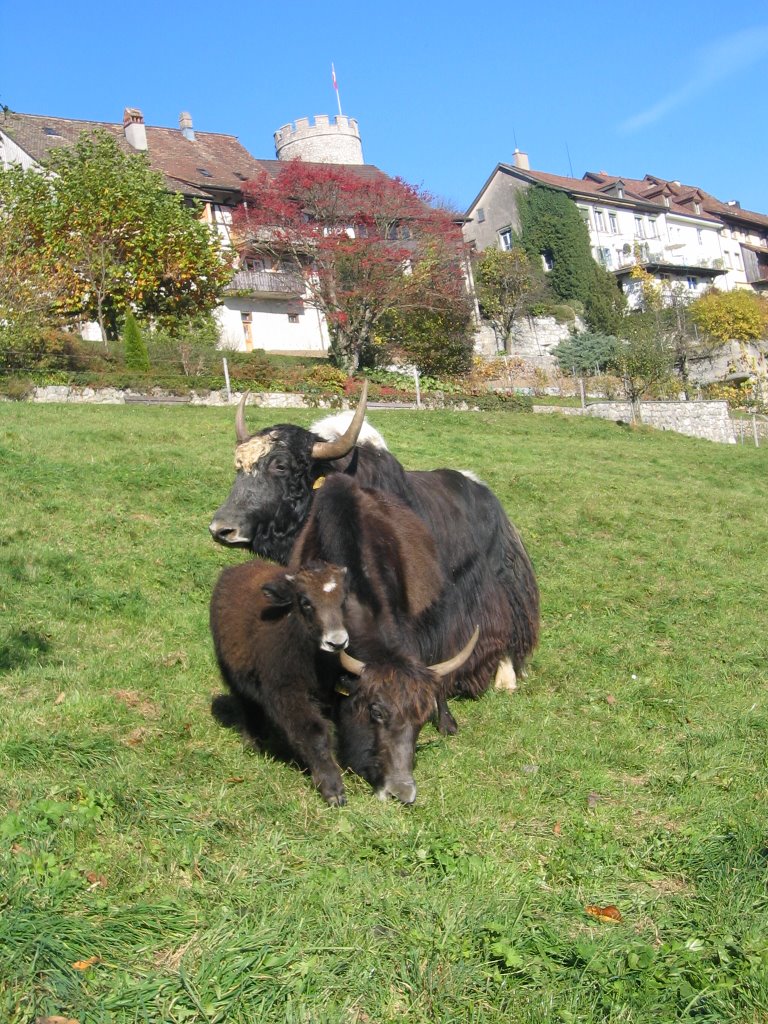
(754, 430)
(226, 379)
(418, 387)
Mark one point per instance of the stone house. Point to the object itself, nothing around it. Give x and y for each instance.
(264, 306)
(680, 234)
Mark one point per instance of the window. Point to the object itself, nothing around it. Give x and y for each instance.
(253, 263)
(505, 239)
(599, 220)
(697, 207)
(666, 201)
(738, 259)
(293, 318)
(605, 258)
(728, 260)
(205, 174)
(613, 221)
(584, 214)
(639, 229)
(699, 236)
(693, 282)
(653, 231)
(480, 215)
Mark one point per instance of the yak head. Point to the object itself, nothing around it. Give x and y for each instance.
(316, 594)
(382, 713)
(277, 469)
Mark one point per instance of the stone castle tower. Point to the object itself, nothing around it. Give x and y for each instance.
(321, 142)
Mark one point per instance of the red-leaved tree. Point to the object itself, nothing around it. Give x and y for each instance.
(361, 241)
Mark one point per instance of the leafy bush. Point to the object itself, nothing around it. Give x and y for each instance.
(16, 388)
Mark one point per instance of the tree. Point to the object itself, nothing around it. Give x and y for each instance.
(29, 288)
(366, 248)
(107, 228)
(136, 355)
(503, 281)
(551, 228)
(739, 315)
(643, 358)
(586, 353)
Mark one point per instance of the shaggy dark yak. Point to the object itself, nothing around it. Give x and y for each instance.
(394, 579)
(488, 578)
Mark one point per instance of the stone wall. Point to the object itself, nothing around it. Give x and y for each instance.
(709, 420)
(533, 338)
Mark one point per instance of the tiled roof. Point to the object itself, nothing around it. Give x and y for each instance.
(651, 191)
(210, 163)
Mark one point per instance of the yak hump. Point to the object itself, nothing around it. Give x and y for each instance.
(332, 427)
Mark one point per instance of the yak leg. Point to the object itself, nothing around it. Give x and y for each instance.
(505, 676)
(443, 719)
(309, 737)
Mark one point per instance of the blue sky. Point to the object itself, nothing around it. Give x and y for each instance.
(442, 91)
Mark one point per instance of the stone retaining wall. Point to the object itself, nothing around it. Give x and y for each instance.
(709, 420)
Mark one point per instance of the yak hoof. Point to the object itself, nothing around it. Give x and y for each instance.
(505, 676)
(446, 723)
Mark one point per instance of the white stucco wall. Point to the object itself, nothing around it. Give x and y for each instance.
(11, 154)
(271, 329)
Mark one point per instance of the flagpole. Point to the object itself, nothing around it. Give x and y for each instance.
(336, 87)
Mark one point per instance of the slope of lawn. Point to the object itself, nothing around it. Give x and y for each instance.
(154, 869)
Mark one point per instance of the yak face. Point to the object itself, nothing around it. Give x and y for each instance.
(382, 712)
(380, 718)
(276, 472)
(316, 593)
(271, 495)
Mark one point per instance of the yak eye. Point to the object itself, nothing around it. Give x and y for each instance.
(305, 604)
(278, 466)
(376, 712)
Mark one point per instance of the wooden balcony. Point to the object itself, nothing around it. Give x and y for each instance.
(268, 284)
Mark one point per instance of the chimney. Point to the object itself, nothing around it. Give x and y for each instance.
(734, 202)
(133, 126)
(185, 124)
(520, 159)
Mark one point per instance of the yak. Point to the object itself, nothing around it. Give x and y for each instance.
(487, 576)
(384, 706)
(268, 627)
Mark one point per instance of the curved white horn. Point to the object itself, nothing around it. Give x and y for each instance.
(338, 448)
(442, 668)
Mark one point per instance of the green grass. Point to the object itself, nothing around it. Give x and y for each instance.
(212, 883)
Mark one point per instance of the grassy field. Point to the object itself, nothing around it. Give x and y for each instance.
(155, 870)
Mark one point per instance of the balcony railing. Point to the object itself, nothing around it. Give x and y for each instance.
(267, 282)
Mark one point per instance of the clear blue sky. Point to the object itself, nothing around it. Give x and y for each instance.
(442, 91)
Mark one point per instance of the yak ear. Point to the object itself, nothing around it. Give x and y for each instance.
(279, 592)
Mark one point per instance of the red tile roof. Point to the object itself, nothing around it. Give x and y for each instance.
(199, 168)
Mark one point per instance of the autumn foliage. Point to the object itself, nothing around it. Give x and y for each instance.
(368, 246)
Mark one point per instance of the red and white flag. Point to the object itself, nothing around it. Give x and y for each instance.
(333, 76)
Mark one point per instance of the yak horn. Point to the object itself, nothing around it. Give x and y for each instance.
(351, 665)
(241, 430)
(339, 448)
(444, 667)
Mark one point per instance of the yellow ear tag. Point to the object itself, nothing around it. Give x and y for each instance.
(318, 483)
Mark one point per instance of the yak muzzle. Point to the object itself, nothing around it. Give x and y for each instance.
(226, 533)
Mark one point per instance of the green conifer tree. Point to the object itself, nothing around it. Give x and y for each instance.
(136, 355)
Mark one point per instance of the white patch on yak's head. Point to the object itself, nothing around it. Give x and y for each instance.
(248, 454)
(329, 587)
(333, 427)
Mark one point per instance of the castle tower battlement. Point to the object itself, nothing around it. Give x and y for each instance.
(320, 140)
